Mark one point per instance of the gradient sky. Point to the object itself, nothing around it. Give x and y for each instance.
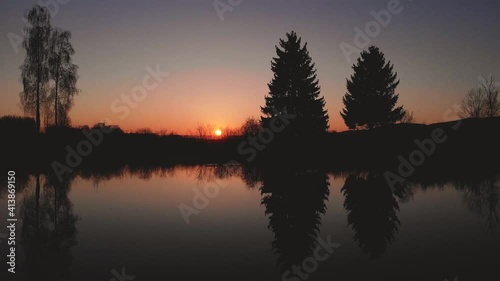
(219, 70)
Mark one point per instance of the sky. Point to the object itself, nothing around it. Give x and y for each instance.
(218, 61)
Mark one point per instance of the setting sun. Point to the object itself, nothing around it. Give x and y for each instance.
(218, 132)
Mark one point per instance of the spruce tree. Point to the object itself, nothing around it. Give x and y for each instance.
(371, 98)
(294, 90)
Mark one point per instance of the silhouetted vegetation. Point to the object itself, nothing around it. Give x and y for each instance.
(294, 201)
(48, 57)
(48, 230)
(372, 213)
(294, 90)
(250, 127)
(474, 145)
(35, 69)
(371, 93)
(64, 74)
(289, 161)
(483, 198)
(484, 101)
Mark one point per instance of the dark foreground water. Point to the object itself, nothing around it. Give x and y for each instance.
(226, 223)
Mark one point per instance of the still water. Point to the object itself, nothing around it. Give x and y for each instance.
(228, 223)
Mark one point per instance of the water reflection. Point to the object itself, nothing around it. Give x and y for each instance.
(294, 201)
(372, 212)
(48, 229)
(483, 198)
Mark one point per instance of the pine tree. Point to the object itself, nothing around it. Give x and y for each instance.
(294, 90)
(371, 98)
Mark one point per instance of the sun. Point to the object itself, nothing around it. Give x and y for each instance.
(218, 132)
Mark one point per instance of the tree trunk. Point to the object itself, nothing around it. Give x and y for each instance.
(55, 210)
(37, 201)
(56, 98)
(38, 107)
(38, 81)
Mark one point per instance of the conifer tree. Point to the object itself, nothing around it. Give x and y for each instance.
(294, 90)
(371, 93)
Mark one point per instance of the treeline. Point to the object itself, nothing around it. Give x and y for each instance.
(446, 147)
(483, 101)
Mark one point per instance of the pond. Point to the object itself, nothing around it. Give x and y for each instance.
(233, 223)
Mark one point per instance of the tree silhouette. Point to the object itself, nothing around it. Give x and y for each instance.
(250, 127)
(472, 105)
(64, 74)
(35, 71)
(294, 90)
(295, 202)
(371, 98)
(491, 97)
(482, 101)
(483, 198)
(371, 208)
(48, 230)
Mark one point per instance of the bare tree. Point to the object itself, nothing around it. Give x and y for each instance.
(64, 74)
(491, 99)
(251, 126)
(201, 130)
(210, 130)
(407, 117)
(473, 104)
(34, 70)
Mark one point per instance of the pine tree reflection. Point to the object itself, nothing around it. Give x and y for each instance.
(294, 201)
(371, 210)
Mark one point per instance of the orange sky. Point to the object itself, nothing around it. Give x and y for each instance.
(219, 70)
